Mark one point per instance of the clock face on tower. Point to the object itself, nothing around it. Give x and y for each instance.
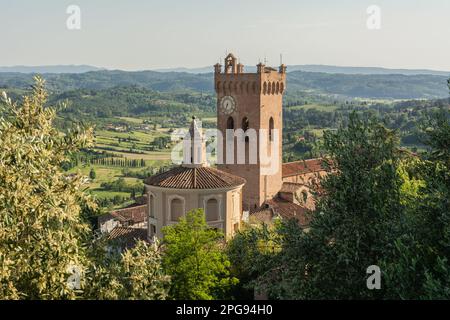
(227, 105)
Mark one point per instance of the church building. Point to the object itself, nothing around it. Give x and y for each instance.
(233, 192)
(192, 185)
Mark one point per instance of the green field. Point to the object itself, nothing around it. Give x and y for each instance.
(132, 144)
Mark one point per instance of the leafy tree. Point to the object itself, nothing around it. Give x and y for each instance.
(253, 254)
(358, 216)
(92, 174)
(194, 259)
(422, 268)
(135, 274)
(46, 247)
(378, 206)
(356, 219)
(41, 226)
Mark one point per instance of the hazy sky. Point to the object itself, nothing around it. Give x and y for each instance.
(138, 34)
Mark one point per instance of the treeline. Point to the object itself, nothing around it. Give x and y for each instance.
(131, 101)
(120, 185)
(160, 143)
(145, 173)
(117, 162)
(87, 156)
(404, 117)
(113, 201)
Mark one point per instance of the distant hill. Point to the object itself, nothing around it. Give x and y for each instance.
(57, 69)
(130, 100)
(383, 86)
(365, 70)
(99, 80)
(325, 69)
(50, 69)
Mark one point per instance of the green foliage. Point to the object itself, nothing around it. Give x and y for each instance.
(437, 135)
(423, 264)
(161, 143)
(132, 101)
(46, 247)
(355, 221)
(253, 254)
(135, 274)
(379, 205)
(92, 174)
(41, 226)
(120, 185)
(395, 86)
(194, 259)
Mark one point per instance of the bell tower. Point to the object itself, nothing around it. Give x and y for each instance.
(252, 101)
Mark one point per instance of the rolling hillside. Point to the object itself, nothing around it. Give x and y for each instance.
(392, 86)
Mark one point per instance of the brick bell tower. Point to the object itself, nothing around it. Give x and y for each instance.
(252, 100)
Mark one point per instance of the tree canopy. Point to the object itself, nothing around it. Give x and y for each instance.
(195, 260)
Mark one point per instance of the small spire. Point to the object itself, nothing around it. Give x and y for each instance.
(194, 146)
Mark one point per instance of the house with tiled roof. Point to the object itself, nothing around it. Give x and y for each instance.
(126, 237)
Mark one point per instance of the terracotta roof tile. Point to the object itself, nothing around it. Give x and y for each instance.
(283, 208)
(302, 167)
(289, 210)
(126, 237)
(194, 178)
(134, 213)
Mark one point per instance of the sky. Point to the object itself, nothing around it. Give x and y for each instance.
(142, 35)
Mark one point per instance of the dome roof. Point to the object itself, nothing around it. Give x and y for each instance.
(194, 178)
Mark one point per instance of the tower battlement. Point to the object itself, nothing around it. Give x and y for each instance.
(231, 79)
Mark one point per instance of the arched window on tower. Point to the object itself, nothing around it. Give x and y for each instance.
(212, 210)
(176, 209)
(245, 126)
(230, 123)
(271, 127)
